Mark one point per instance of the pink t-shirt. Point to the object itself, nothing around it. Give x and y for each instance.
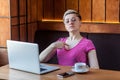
(76, 54)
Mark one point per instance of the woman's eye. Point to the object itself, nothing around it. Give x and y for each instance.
(67, 21)
(73, 20)
(70, 20)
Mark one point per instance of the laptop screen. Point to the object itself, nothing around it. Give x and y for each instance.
(25, 56)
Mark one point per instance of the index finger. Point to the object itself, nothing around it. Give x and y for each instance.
(66, 44)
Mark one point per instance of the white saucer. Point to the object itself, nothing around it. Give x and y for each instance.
(81, 71)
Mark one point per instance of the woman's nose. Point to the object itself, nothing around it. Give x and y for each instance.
(71, 22)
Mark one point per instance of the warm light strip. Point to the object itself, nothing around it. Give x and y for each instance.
(50, 20)
(100, 22)
(96, 22)
(105, 22)
(113, 22)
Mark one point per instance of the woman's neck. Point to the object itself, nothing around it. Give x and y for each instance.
(74, 35)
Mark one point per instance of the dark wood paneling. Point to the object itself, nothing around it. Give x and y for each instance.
(13, 7)
(104, 28)
(51, 26)
(86, 10)
(59, 9)
(14, 21)
(48, 10)
(26, 14)
(29, 11)
(31, 31)
(112, 10)
(23, 32)
(98, 10)
(15, 33)
(40, 10)
(22, 20)
(22, 7)
(33, 10)
(85, 27)
(72, 4)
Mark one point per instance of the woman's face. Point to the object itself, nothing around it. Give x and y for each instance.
(72, 22)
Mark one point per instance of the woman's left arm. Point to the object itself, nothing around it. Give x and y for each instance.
(92, 58)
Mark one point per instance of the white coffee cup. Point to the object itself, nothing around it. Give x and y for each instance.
(80, 66)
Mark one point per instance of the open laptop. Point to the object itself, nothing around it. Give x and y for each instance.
(25, 56)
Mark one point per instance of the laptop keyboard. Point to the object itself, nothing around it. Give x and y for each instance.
(42, 69)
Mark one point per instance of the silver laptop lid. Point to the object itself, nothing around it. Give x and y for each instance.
(23, 56)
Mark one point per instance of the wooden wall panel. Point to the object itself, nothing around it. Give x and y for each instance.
(39, 10)
(14, 12)
(4, 22)
(98, 10)
(85, 27)
(26, 14)
(33, 10)
(23, 12)
(104, 28)
(15, 33)
(112, 10)
(22, 7)
(29, 11)
(14, 21)
(4, 8)
(4, 31)
(59, 9)
(31, 31)
(48, 10)
(72, 4)
(59, 26)
(86, 10)
(23, 32)
(23, 20)
(92, 12)
(13, 8)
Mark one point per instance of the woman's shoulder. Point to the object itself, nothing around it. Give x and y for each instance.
(86, 40)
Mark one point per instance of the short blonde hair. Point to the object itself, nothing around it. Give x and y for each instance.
(70, 11)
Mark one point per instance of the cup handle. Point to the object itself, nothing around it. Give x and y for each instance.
(73, 66)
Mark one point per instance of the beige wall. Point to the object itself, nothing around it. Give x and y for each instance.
(4, 22)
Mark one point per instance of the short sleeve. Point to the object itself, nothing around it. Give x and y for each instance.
(90, 46)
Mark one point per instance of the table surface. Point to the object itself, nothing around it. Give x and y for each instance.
(94, 74)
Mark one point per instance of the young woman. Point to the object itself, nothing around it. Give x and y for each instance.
(74, 48)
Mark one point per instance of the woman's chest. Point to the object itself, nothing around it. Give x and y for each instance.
(71, 44)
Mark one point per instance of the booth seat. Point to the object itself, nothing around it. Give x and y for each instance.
(3, 56)
(107, 46)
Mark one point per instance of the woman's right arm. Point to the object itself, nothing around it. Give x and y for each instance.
(46, 54)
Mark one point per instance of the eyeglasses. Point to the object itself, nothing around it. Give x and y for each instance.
(66, 21)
